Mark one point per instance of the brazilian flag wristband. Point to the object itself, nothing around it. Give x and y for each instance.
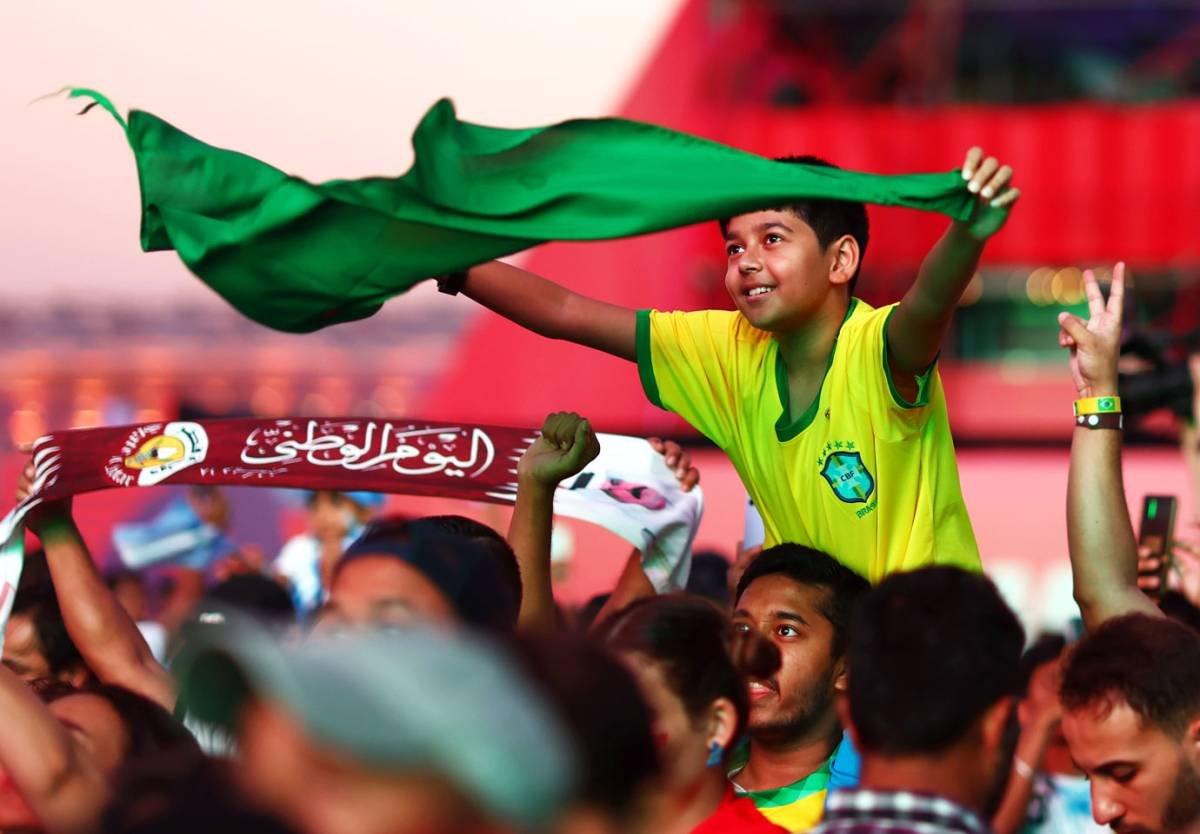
(1097, 405)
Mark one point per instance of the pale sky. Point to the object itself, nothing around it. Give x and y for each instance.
(322, 89)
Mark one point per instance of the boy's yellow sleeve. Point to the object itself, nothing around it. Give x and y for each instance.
(686, 365)
(871, 354)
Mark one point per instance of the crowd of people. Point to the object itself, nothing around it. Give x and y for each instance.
(859, 673)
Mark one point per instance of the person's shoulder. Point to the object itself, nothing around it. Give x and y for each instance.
(728, 324)
(862, 315)
(864, 325)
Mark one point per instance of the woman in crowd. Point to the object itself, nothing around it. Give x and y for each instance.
(692, 668)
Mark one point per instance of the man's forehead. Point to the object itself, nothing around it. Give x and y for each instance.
(778, 591)
(1105, 730)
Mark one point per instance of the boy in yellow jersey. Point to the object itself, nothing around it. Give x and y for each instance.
(831, 411)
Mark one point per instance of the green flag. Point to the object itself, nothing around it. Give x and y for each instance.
(299, 256)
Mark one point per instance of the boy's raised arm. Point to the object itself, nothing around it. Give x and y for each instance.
(923, 317)
(1100, 536)
(551, 310)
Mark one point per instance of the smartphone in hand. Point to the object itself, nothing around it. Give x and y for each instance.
(1156, 537)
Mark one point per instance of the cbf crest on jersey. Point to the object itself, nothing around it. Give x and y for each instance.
(848, 476)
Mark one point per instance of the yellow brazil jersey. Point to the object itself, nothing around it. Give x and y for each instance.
(862, 475)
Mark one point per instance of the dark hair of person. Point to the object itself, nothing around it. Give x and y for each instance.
(151, 729)
(930, 652)
(35, 570)
(702, 656)
(1045, 649)
(480, 533)
(183, 792)
(709, 576)
(598, 702)
(585, 618)
(39, 602)
(254, 594)
(466, 571)
(1150, 663)
(806, 566)
(829, 219)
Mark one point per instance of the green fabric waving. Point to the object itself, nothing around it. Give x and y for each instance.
(299, 256)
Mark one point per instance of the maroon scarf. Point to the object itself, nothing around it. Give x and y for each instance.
(413, 457)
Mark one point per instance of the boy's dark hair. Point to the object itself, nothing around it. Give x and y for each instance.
(1043, 650)
(806, 566)
(694, 643)
(930, 651)
(1150, 663)
(151, 728)
(829, 219)
(40, 603)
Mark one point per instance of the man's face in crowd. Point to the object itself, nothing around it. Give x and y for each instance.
(800, 697)
(1143, 780)
(383, 590)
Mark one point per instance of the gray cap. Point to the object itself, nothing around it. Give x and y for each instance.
(441, 702)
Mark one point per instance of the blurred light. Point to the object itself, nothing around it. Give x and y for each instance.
(269, 400)
(216, 395)
(1066, 287)
(26, 425)
(85, 418)
(148, 415)
(1037, 286)
(316, 405)
(392, 396)
(368, 408)
(336, 392)
(973, 291)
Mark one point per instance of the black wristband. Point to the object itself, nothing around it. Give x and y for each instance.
(1101, 421)
(452, 283)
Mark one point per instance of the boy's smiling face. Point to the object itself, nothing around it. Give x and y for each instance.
(776, 271)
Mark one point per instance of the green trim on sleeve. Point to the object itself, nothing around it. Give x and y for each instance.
(644, 362)
(923, 379)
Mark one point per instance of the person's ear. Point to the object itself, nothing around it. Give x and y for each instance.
(1191, 743)
(844, 258)
(722, 723)
(841, 675)
(77, 676)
